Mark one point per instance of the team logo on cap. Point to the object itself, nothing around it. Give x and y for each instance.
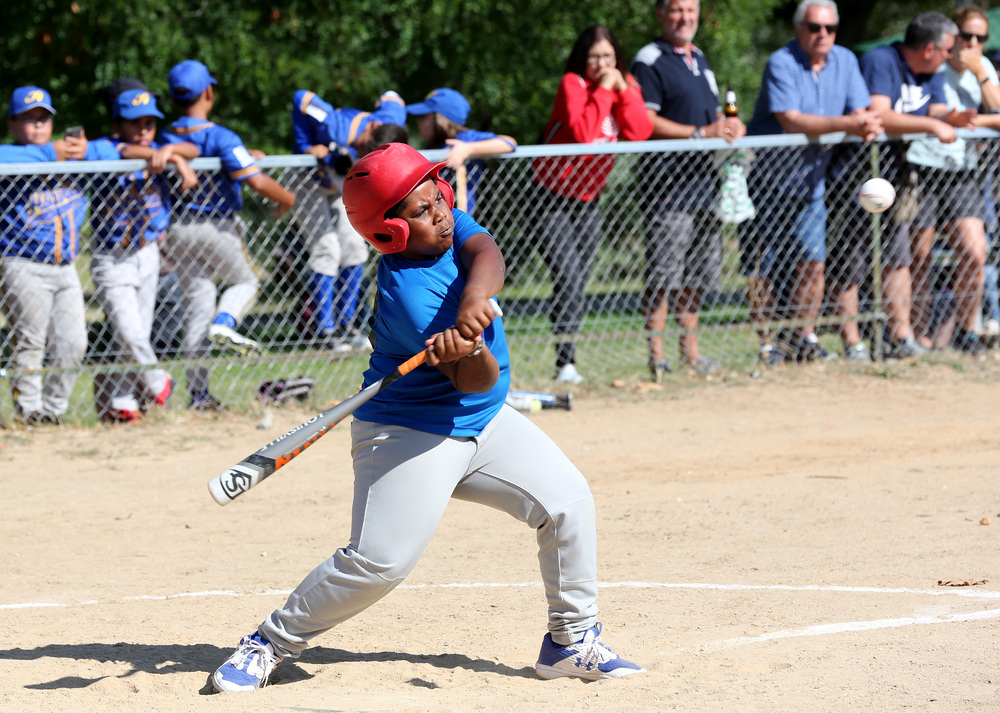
(35, 96)
(141, 99)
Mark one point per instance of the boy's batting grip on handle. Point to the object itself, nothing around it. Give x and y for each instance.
(235, 481)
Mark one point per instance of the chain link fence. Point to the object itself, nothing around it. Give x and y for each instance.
(582, 276)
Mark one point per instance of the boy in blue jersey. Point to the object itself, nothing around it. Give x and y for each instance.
(207, 238)
(443, 114)
(39, 241)
(337, 138)
(130, 216)
(442, 432)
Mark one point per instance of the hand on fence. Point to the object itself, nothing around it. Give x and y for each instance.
(944, 132)
(458, 154)
(728, 128)
(961, 119)
(320, 151)
(868, 124)
(189, 179)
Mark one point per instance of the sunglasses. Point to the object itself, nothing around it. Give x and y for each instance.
(967, 36)
(815, 27)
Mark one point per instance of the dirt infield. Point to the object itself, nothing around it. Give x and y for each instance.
(771, 545)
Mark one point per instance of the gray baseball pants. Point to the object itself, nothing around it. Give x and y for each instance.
(332, 242)
(403, 480)
(126, 285)
(200, 249)
(44, 305)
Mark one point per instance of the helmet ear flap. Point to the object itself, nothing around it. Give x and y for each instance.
(395, 239)
(448, 192)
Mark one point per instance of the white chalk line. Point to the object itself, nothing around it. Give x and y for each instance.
(848, 626)
(945, 591)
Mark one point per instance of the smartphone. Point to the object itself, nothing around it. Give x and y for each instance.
(74, 132)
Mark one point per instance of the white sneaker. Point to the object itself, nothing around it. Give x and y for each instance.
(589, 659)
(991, 328)
(569, 375)
(249, 666)
(228, 338)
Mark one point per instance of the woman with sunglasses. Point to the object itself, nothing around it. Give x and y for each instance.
(955, 203)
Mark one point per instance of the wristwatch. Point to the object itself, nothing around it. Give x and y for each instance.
(699, 132)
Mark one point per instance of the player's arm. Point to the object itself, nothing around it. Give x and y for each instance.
(485, 270)
(461, 151)
(184, 149)
(267, 187)
(468, 363)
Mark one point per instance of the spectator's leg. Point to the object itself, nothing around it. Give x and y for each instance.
(27, 302)
(898, 296)
(654, 307)
(570, 229)
(810, 265)
(702, 270)
(845, 297)
(668, 238)
(920, 314)
(346, 291)
(67, 340)
(969, 238)
(809, 287)
(321, 291)
(760, 295)
(168, 318)
(232, 262)
(198, 289)
(687, 302)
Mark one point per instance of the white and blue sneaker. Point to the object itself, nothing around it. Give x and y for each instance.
(249, 666)
(589, 659)
(227, 338)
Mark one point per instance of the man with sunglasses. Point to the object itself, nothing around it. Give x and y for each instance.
(952, 195)
(811, 86)
(908, 93)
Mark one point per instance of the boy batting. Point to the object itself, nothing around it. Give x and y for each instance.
(443, 432)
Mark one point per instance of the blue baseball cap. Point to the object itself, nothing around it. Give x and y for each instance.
(446, 102)
(188, 79)
(26, 98)
(136, 103)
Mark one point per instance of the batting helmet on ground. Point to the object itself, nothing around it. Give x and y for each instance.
(379, 181)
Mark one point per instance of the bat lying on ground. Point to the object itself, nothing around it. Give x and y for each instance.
(238, 479)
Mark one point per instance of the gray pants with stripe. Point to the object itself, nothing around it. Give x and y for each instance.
(200, 249)
(44, 305)
(403, 480)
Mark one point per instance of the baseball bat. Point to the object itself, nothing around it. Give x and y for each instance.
(257, 466)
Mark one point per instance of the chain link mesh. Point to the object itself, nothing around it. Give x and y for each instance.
(589, 300)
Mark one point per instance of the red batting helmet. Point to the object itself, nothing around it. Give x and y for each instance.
(379, 181)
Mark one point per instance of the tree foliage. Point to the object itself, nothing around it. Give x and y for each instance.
(506, 56)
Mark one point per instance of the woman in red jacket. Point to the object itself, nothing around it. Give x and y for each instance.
(598, 102)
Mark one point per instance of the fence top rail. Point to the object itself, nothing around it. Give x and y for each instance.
(522, 152)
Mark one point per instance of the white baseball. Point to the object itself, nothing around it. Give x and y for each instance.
(876, 195)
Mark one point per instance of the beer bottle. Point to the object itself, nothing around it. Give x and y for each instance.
(730, 109)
